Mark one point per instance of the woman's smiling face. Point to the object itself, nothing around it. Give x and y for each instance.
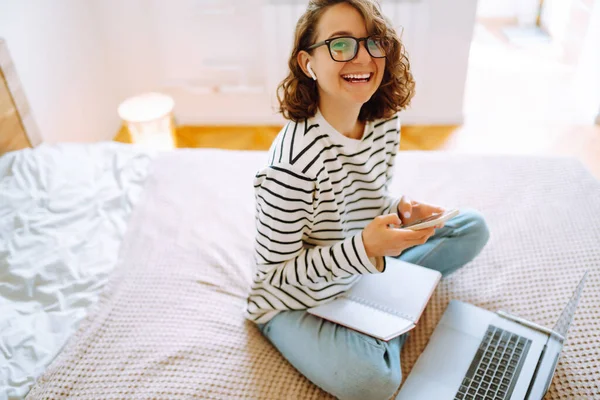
(353, 81)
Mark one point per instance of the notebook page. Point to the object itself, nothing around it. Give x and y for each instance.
(403, 289)
(363, 319)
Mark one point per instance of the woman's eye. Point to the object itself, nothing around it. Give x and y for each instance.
(339, 46)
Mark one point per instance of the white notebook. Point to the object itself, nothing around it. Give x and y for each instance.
(384, 305)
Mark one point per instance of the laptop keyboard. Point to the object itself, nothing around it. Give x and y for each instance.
(495, 368)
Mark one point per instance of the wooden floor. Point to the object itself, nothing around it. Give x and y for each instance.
(582, 142)
(261, 137)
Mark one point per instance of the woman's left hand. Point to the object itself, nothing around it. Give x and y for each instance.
(411, 210)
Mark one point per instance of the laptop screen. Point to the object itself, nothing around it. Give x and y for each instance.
(564, 321)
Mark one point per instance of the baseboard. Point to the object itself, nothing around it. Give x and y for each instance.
(413, 120)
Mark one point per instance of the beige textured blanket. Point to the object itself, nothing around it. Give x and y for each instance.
(170, 323)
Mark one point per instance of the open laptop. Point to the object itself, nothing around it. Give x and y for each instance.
(475, 354)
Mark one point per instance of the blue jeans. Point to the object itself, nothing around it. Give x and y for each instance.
(351, 365)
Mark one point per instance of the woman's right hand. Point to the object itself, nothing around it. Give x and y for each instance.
(381, 240)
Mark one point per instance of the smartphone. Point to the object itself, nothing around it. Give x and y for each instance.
(432, 220)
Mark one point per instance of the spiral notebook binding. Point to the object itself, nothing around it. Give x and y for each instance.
(375, 306)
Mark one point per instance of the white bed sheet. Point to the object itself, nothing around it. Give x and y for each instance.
(63, 212)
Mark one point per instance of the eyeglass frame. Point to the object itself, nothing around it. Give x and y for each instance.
(358, 40)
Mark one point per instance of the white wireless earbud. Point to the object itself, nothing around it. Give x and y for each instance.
(310, 71)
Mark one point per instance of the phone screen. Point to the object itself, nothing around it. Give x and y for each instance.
(430, 218)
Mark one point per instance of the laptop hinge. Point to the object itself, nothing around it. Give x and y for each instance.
(531, 325)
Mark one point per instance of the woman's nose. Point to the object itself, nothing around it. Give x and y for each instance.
(363, 56)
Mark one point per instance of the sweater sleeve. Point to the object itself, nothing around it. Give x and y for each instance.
(284, 214)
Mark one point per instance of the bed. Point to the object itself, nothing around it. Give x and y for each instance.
(124, 272)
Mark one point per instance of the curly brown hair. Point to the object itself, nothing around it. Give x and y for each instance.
(298, 95)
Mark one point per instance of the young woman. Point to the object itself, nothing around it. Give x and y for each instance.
(324, 216)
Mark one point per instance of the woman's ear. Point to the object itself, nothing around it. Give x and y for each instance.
(303, 60)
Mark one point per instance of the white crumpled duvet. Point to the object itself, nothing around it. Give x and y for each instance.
(63, 212)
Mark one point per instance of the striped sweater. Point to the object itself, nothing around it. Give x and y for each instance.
(317, 193)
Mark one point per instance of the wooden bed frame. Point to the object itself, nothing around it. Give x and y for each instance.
(18, 129)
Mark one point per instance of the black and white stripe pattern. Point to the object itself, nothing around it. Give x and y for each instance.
(318, 192)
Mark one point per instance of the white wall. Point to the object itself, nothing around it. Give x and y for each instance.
(587, 77)
(77, 60)
(445, 34)
(497, 8)
(60, 56)
(168, 45)
(130, 34)
(524, 11)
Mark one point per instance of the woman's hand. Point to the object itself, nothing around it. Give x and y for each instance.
(412, 211)
(381, 240)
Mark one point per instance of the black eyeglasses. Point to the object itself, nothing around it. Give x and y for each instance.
(345, 48)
